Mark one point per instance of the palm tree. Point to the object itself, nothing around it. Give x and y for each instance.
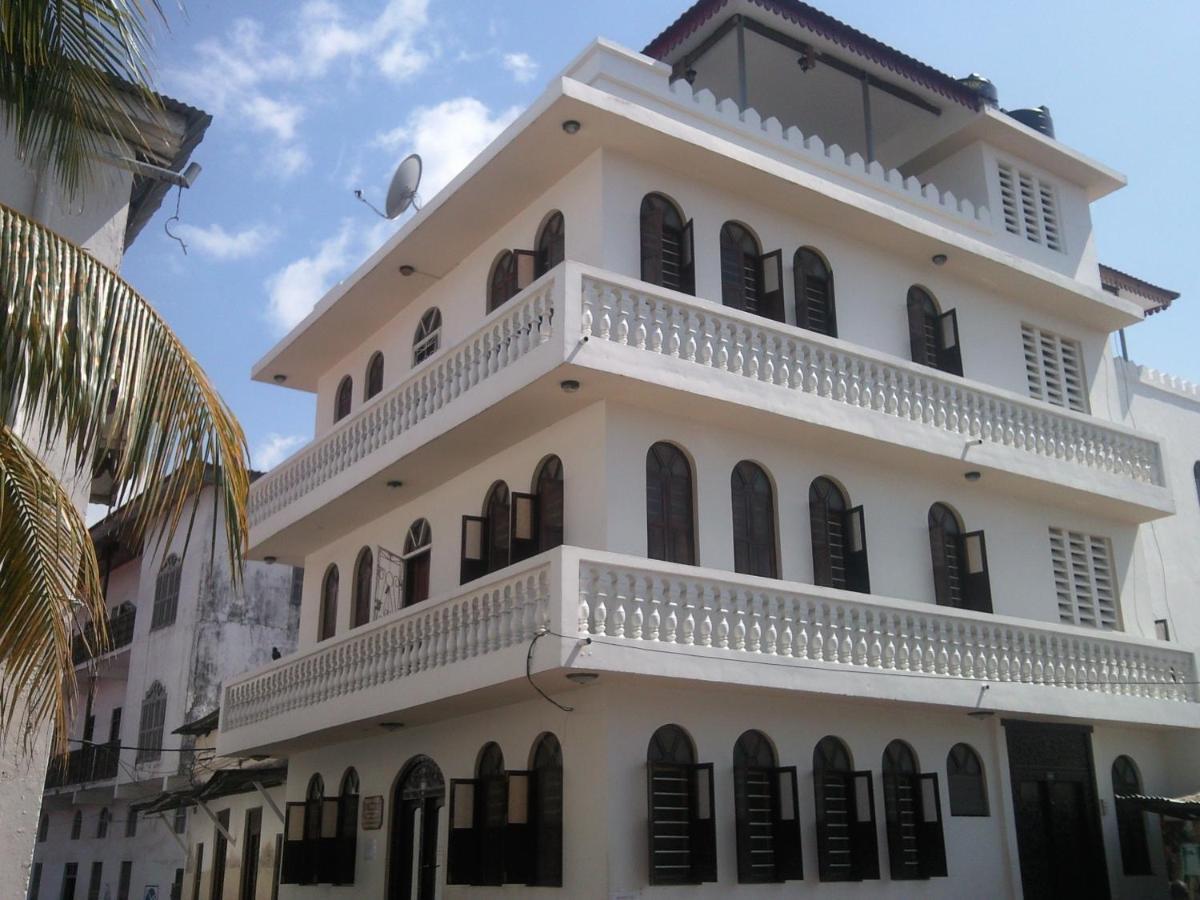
(88, 370)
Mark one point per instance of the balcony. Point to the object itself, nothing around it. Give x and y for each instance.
(468, 649)
(120, 635)
(86, 765)
(696, 358)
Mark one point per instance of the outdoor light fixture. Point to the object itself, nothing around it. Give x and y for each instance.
(583, 678)
(407, 270)
(279, 378)
(391, 726)
(981, 713)
(570, 386)
(395, 483)
(939, 259)
(571, 126)
(973, 475)
(269, 560)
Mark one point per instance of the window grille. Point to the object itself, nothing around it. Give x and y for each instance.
(428, 335)
(150, 729)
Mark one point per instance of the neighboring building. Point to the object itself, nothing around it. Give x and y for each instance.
(779, 442)
(180, 628)
(116, 205)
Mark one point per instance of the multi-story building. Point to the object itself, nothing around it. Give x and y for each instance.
(725, 482)
(180, 626)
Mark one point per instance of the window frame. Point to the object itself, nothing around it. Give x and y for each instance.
(755, 539)
(757, 775)
(362, 588)
(546, 811)
(661, 226)
(152, 723)
(327, 610)
(837, 530)
(1131, 818)
(373, 379)
(427, 338)
(666, 487)
(962, 805)
(676, 762)
(905, 784)
(801, 276)
(833, 766)
(550, 244)
(166, 593)
(343, 399)
(417, 560)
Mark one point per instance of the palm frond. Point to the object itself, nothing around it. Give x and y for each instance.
(49, 581)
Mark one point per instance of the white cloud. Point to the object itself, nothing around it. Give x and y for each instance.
(274, 449)
(218, 243)
(294, 290)
(521, 65)
(276, 117)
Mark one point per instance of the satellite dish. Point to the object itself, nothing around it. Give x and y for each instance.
(402, 192)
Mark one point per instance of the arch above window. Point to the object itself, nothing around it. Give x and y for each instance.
(815, 306)
(670, 520)
(965, 782)
(343, 399)
(668, 256)
(428, 335)
(327, 621)
(671, 744)
(166, 593)
(364, 579)
(373, 384)
(932, 334)
(839, 538)
(550, 245)
(753, 521)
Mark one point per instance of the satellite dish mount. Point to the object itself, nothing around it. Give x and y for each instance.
(402, 192)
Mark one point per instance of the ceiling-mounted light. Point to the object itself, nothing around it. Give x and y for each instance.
(570, 386)
(583, 678)
(571, 126)
(395, 483)
(391, 726)
(279, 378)
(939, 259)
(269, 560)
(407, 270)
(973, 475)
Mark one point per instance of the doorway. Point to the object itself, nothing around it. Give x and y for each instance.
(417, 800)
(1057, 814)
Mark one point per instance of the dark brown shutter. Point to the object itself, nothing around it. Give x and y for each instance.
(474, 562)
(858, 576)
(949, 354)
(919, 328)
(293, 865)
(491, 816)
(977, 588)
(931, 838)
(863, 836)
(789, 861)
(462, 851)
(743, 826)
(524, 270)
(770, 268)
(523, 527)
(902, 817)
(327, 845)
(687, 261)
(347, 839)
(668, 805)
(703, 825)
(819, 514)
(518, 831)
(652, 223)
(941, 573)
(833, 796)
(733, 272)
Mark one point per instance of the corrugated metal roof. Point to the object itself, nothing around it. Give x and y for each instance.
(1185, 807)
(825, 25)
(1114, 281)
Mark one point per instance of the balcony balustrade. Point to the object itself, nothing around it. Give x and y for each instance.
(84, 765)
(120, 634)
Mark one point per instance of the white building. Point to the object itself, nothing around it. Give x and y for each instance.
(179, 628)
(116, 205)
(726, 484)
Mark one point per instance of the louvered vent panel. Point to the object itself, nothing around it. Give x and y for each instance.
(1083, 579)
(1030, 207)
(1054, 368)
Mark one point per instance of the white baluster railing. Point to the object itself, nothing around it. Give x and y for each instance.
(765, 351)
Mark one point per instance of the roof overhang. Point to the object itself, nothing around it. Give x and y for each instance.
(1150, 297)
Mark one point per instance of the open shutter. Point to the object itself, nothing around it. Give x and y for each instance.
(931, 838)
(652, 244)
(491, 816)
(474, 549)
(525, 267)
(895, 836)
(294, 863)
(518, 833)
(941, 572)
(822, 558)
(919, 330)
(789, 861)
(523, 533)
(327, 856)
(977, 588)
(857, 575)
(462, 852)
(743, 827)
(668, 801)
(347, 839)
(864, 841)
(948, 352)
(902, 815)
(687, 260)
(833, 796)
(770, 268)
(703, 825)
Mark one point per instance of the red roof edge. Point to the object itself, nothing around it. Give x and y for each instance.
(828, 27)
(1114, 280)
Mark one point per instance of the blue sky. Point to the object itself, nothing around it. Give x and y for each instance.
(312, 99)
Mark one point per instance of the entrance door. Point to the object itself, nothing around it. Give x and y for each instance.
(417, 801)
(1059, 839)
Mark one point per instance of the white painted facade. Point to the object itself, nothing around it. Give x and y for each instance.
(218, 631)
(702, 646)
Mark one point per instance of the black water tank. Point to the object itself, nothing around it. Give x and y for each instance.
(1037, 118)
(982, 86)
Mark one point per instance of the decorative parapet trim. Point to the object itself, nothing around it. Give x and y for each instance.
(1162, 381)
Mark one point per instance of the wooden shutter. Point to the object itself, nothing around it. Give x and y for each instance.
(864, 841)
(753, 814)
(703, 825)
(770, 269)
(523, 526)
(491, 816)
(977, 588)
(857, 574)
(347, 839)
(518, 832)
(687, 259)
(474, 563)
(901, 808)
(789, 861)
(941, 572)
(949, 354)
(525, 270)
(833, 794)
(669, 801)
(462, 851)
(652, 222)
(326, 850)
(919, 330)
(931, 839)
(819, 512)
(293, 865)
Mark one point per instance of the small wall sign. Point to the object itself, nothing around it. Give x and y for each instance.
(372, 813)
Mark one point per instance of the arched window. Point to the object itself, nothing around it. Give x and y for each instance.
(847, 848)
(102, 823)
(765, 801)
(741, 270)
(491, 813)
(839, 538)
(932, 334)
(683, 839)
(76, 825)
(753, 521)
(150, 728)
(43, 831)
(512, 272)
(417, 547)
(548, 491)
(347, 829)
(550, 245)
(314, 811)
(667, 247)
(498, 515)
(1196, 477)
(546, 811)
(327, 624)
(166, 593)
(343, 399)
(670, 526)
(413, 865)
(960, 571)
(374, 379)
(912, 808)
(815, 309)
(1131, 820)
(965, 782)
(428, 336)
(364, 576)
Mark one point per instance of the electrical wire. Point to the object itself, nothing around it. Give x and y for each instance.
(108, 746)
(542, 632)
